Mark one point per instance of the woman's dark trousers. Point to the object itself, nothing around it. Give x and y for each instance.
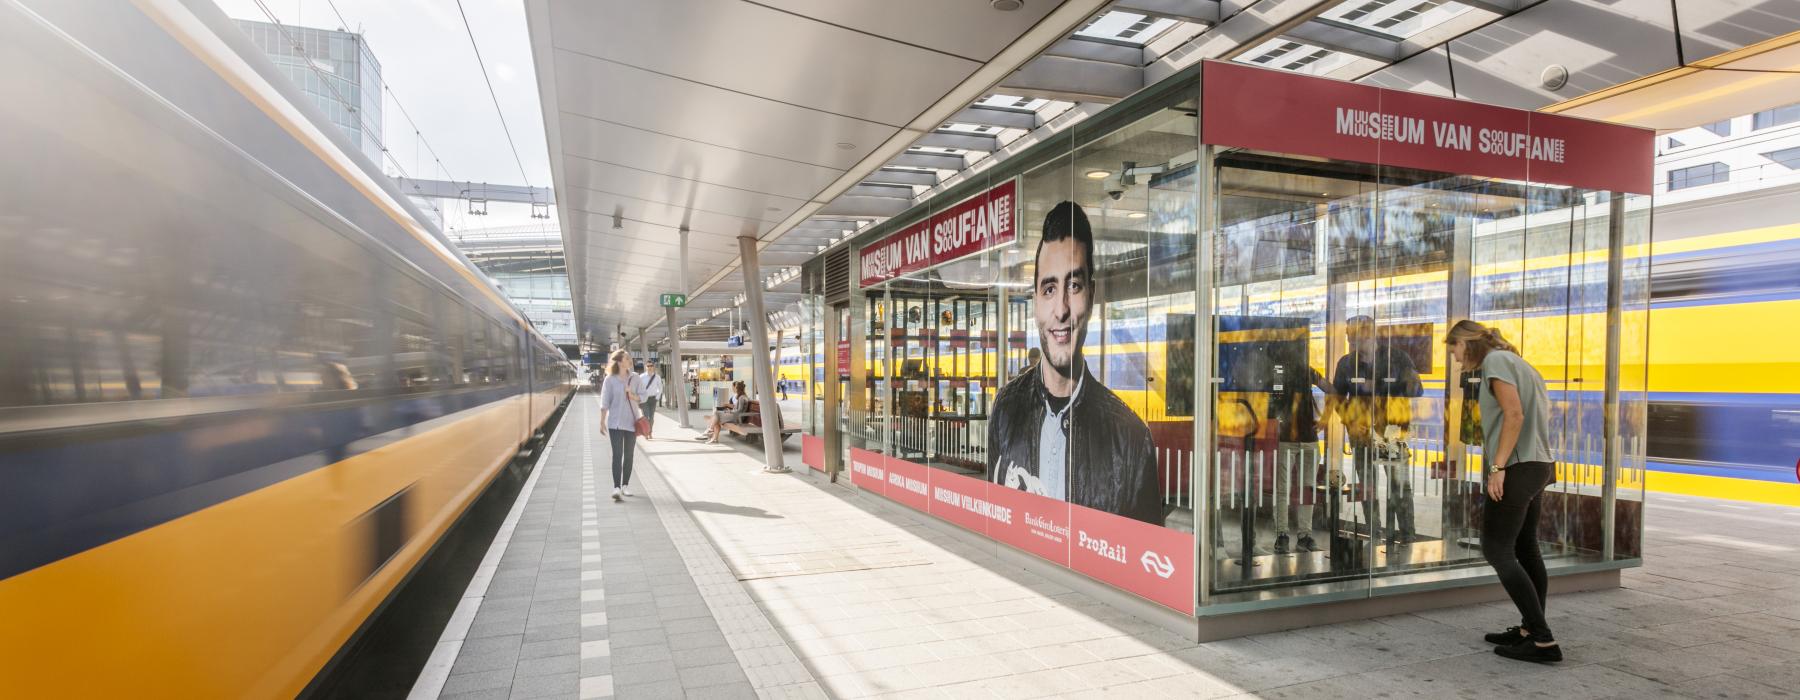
(623, 444)
(1509, 542)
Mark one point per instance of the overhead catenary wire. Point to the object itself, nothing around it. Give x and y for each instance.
(492, 95)
(418, 133)
(326, 80)
(401, 106)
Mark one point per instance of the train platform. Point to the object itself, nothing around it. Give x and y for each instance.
(716, 580)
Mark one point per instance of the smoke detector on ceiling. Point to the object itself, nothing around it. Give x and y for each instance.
(1554, 77)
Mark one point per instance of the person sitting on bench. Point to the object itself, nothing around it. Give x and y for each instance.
(734, 413)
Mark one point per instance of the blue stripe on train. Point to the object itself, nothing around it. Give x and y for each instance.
(1730, 471)
(70, 497)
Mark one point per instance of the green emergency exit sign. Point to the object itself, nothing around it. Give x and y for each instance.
(674, 300)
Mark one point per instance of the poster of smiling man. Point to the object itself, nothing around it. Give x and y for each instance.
(1056, 430)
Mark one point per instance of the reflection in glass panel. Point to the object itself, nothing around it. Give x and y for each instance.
(1348, 455)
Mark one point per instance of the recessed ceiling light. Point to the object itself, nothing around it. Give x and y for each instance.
(846, 145)
(1098, 174)
(1136, 215)
(1007, 5)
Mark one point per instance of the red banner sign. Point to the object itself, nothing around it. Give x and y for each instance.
(971, 226)
(964, 501)
(812, 451)
(1154, 562)
(843, 359)
(1151, 561)
(1035, 524)
(868, 470)
(1289, 113)
(909, 484)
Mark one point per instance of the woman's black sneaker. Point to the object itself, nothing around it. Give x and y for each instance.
(1512, 635)
(1527, 650)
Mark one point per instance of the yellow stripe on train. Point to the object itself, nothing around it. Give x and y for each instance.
(249, 597)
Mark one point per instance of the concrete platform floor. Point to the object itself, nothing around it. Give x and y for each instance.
(718, 581)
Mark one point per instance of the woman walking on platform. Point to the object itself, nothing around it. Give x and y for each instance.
(618, 412)
(1515, 426)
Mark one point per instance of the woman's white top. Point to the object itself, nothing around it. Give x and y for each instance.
(620, 413)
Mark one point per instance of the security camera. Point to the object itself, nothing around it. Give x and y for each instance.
(1115, 187)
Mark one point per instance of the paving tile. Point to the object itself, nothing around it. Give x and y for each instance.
(538, 650)
(483, 680)
(489, 694)
(716, 674)
(544, 686)
(660, 690)
(596, 687)
(704, 656)
(549, 665)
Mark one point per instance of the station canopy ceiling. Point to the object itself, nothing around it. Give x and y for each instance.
(798, 122)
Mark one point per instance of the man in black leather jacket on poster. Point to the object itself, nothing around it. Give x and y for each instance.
(1055, 430)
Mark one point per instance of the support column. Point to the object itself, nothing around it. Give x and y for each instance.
(677, 364)
(759, 355)
(675, 371)
(831, 423)
(1615, 313)
(685, 289)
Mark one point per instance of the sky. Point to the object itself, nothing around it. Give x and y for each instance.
(430, 68)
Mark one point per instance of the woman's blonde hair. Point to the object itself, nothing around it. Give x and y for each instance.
(615, 364)
(1480, 339)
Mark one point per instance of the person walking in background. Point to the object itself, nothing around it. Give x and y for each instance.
(648, 386)
(1515, 425)
(619, 413)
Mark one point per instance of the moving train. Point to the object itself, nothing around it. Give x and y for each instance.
(243, 390)
(1723, 411)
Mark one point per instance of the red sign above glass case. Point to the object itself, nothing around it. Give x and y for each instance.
(1283, 112)
(971, 226)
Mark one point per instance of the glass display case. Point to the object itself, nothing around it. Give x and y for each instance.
(1193, 345)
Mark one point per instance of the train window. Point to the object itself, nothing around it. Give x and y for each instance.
(454, 325)
(414, 352)
(327, 332)
(476, 367)
(505, 354)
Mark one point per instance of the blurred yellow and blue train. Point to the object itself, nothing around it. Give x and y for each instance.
(243, 391)
(1717, 393)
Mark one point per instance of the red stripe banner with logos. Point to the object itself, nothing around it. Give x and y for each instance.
(1150, 561)
(1283, 112)
(975, 224)
(812, 451)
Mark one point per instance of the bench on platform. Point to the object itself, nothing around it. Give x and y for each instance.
(751, 428)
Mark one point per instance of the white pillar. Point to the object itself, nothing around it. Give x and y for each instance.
(675, 369)
(759, 355)
(685, 289)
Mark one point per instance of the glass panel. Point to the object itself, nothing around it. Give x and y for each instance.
(1335, 283)
(1627, 476)
(1137, 189)
(1297, 241)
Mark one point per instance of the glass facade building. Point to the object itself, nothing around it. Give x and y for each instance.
(335, 69)
(1192, 347)
(543, 298)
